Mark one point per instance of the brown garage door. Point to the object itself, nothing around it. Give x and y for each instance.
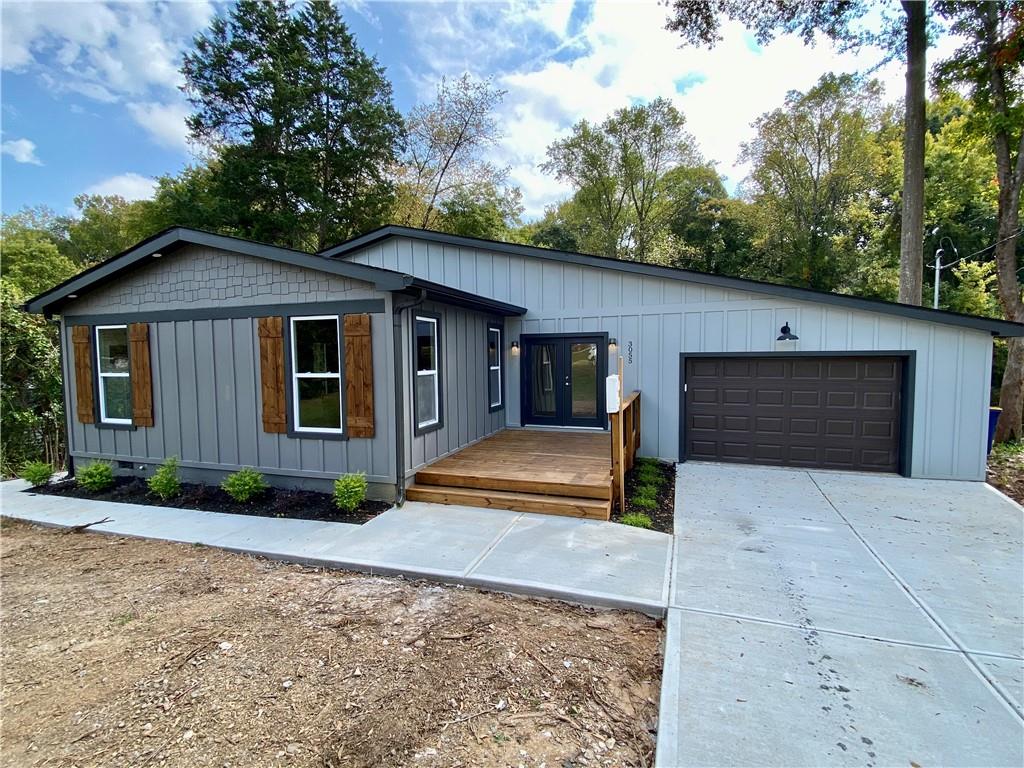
(831, 412)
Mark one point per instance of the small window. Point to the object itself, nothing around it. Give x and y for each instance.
(428, 383)
(115, 385)
(494, 363)
(316, 374)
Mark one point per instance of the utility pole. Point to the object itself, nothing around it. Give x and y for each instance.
(938, 266)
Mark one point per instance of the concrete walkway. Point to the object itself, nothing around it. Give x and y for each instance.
(581, 561)
(840, 619)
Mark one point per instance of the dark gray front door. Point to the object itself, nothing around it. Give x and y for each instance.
(827, 412)
(563, 380)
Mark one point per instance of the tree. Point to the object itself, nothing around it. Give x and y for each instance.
(32, 261)
(988, 66)
(618, 171)
(698, 21)
(481, 211)
(300, 119)
(445, 148)
(105, 226)
(813, 161)
(31, 400)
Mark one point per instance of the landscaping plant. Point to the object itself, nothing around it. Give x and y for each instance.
(637, 520)
(350, 491)
(96, 477)
(165, 482)
(245, 484)
(37, 472)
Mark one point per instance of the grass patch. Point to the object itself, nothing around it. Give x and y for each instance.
(637, 520)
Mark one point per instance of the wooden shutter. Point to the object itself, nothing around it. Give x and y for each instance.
(141, 375)
(358, 376)
(81, 340)
(271, 332)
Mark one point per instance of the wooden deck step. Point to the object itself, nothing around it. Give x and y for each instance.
(595, 509)
(588, 485)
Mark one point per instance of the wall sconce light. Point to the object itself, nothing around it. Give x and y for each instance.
(613, 346)
(786, 334)
(515, 348)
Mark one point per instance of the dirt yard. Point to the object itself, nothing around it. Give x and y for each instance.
(1006, 470)
(124, 652)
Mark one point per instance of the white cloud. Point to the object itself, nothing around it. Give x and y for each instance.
(22, 150)
(165, 123)
(621, 54)
(113, 53)
(130, 186)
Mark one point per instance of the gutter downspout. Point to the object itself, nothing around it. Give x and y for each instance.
(396, 315)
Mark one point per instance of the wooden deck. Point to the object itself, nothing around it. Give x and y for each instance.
(558, 473)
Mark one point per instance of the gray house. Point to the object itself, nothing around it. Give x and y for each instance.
(402, 347)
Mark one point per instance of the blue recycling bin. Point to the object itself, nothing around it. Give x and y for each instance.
(993, 418)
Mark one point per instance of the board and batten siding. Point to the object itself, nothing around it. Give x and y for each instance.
(206, 373)
(655, 319)
(464, 385)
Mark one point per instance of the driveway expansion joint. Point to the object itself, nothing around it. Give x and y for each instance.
(993, 684)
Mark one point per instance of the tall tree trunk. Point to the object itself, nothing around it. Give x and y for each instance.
(912, 227)
(1010, 176)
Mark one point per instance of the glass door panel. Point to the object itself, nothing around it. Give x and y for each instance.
(583, 376)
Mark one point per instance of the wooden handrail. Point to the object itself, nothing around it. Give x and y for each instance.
(625, 443)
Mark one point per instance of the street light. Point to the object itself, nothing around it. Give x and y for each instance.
(938, 266)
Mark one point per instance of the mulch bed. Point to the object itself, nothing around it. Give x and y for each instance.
(275, 502)
(1006, 472)
(662, 517)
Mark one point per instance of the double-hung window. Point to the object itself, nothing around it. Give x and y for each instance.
(427, 400)
(115, 385)
(494, 372)
(316, 374)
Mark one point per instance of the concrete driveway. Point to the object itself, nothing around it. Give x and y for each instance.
(822, 619)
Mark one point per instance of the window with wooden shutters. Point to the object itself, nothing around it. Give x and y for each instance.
(316, 374)
(358, 376)
(271, 333)
(114, 374)
(81, 340)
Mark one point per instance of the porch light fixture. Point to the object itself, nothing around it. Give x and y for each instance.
(157, 255)
(786, 334)
(613, 346)
(72, 295)
(515, 347)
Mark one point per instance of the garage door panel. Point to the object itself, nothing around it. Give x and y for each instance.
(836, 413)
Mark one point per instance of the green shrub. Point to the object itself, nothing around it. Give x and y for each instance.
(646, 489)
(165, 482)
(245, 484)
(645, 502)
(637, 520)
(646, 476)
(96, 477)
(349, 492)
(37, 472)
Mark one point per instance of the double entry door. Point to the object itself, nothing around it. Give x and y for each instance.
(563, 379)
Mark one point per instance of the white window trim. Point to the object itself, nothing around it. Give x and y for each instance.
(497, 367)
(296, 425)
(429, 372)
(100, 375)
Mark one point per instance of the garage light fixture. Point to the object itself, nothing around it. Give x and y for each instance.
(786, 333)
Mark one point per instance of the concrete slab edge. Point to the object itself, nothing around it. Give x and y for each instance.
(666, 750)
(525, 588)
(1004, 497)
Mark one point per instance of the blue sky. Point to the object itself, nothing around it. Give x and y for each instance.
(91, 100)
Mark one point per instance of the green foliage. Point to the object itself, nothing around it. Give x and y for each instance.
(301, 121)
(37, 472)
(31, 401)
(617, 170)
(165, 482)
(244, 485)
(32, 261)
(480, 211)
(1002, 451)
(350, 492)
(96, 477)
(637, 520)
